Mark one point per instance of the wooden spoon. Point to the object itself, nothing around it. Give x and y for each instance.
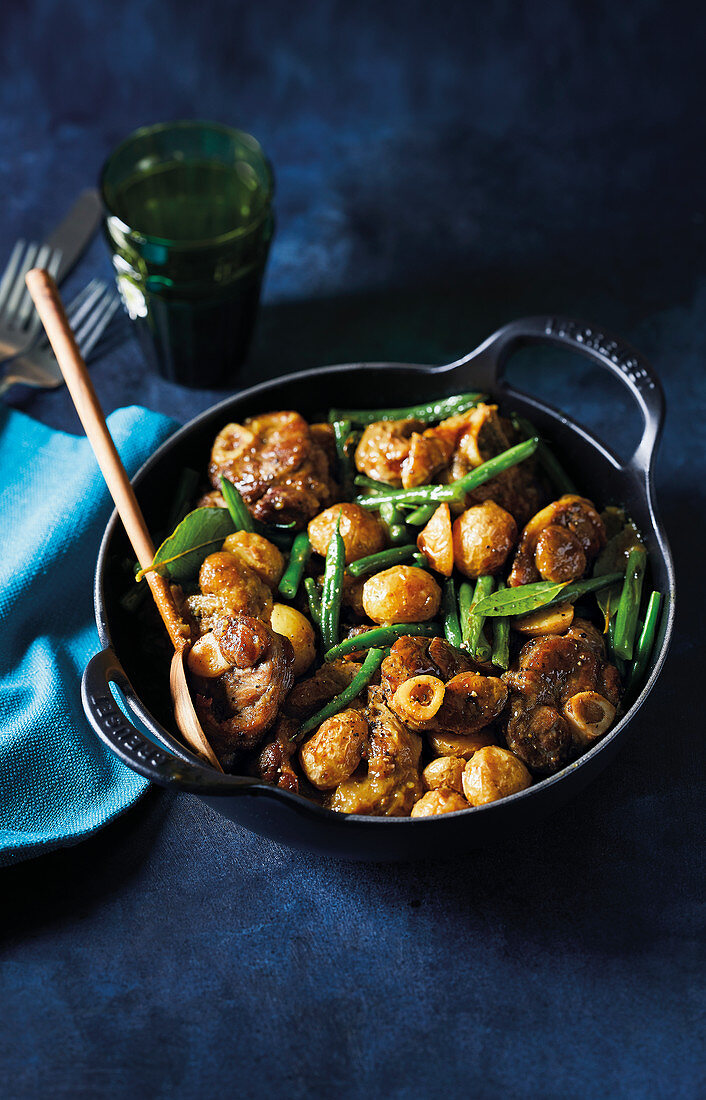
(47, 300)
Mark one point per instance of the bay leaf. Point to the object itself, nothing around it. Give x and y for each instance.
(519, 600)
(199, 534)
(530, 597)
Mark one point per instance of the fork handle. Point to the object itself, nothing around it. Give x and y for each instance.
(47, 300)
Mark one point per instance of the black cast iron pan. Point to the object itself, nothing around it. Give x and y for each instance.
(154, 751)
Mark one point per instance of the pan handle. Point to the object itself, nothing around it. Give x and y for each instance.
(608, 351)
(132, 747)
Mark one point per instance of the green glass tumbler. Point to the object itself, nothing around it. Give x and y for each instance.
(189, 222)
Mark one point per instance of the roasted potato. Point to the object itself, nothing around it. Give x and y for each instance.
(335, 750)
(445, 772)
(483, 537)
(293, 625)
(463, 745)
(546, 620)
(362, 533)
(402, 594)
(436, 541)
(493, 773)
(256, 552)
(441, 801)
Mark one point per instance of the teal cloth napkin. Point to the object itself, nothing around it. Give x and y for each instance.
(57, 781)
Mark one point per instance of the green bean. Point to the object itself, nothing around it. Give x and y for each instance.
(465, 600)
(281, 537)
(457, 490)
(382, 635)
(646, 640)
(358, 683)
(298, 557)
(547, 459)
(420, 495)
(615, 658)
(476, 642)
(375, 562)
(364, 482)
(554, 470)
(501, 639)
(471, 621)
(341, 433)
(420, 560)
(494, 466)
(421, 515)
(629, 606)
(314, 597)
(333, 586)
(427, 413)
(397, 532)
(389, 514)
(242, 520)
(449, 610)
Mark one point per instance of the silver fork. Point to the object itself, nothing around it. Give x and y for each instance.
(19, 321)
(89, 314)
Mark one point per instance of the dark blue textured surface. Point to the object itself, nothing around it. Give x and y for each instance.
(441, 169)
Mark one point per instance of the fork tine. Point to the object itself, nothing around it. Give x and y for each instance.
(97, 324)
(80, 305)
(19, 289)
(25, 310)
(10, 272)
(77, 301)
(85, 328)
(52, 267)
(80, 311)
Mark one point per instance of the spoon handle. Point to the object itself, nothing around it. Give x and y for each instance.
(47, 300)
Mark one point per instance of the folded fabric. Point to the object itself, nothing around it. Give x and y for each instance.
(57, 781)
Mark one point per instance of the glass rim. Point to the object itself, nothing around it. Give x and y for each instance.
(195, 243)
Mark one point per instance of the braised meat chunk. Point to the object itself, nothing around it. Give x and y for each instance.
(274, 763)
(280, 468)
(400, 452)
(481, 434)
(410, 656)
(311, 694)
(228, 587)
(243, 703)
(392, 783)
(439, 695)
(546, 726)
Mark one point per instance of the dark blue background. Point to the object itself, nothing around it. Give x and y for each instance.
(441, 168)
